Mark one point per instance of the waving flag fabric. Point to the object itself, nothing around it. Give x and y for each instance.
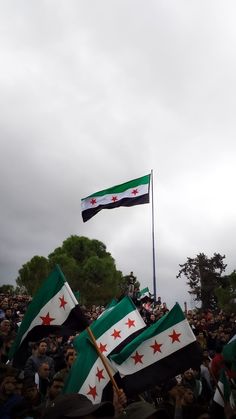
(160, 352)
(88, 375)
(134, 192)
(53, 309)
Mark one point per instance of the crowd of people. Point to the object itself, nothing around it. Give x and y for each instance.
(36, 390)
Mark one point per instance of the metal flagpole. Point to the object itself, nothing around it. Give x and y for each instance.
(153, 243)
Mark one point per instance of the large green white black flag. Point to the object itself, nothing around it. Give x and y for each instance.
(162, 351)
(128, 194)
(54, 308)
(116, 325)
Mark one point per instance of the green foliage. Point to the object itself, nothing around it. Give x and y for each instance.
(226, 293)
(33, 273)
(7, 289)
(204, 276)
(85, 263)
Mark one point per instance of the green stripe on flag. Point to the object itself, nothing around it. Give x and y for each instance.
(170, 319)
(49, 288)
(145, 180)
(107, 320)
(86, 353)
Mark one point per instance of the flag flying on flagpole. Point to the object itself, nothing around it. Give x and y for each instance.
(88, 375)
(134, 192)
(54, 308)
(160, 352)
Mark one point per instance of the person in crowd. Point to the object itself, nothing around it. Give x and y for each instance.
(217, 363)
(190, 379)
(69, 360)
(189, 397)
(206, 379)
(8, 397)
(37, 358)
(5, 328)
(42, 379)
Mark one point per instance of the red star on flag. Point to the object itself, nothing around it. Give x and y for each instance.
(114, 198)
(100, 374)
(92, 392)
(134, 191)
(46, 319)
(137, 358)
(93, 201)
(175, 336)
(116, 334)
(130, 323)
(156, 347)
(103, 348)
(62, 302)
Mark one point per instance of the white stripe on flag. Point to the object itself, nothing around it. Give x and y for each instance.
(59, 314)
(150, 356)
(107, 199)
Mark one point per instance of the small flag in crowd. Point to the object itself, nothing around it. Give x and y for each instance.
(144, 293)
(223, 392)
(229, 354)
(54, 308)
(160, 352)
(88, 375)
(134, 192)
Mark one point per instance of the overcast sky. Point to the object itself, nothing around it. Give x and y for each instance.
(95, 93)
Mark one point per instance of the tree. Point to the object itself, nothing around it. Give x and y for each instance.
(33, 273)
(7, 289)
(85, 263)
(226, 293)
(204, 276)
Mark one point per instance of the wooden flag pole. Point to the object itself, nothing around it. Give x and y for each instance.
(103, 359)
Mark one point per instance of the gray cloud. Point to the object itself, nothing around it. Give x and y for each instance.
(94, 94)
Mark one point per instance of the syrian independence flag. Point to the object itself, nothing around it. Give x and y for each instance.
(134, 192)
(223, 394)
(229, 354)
(88, 376)
(162, 351)
(144, 293)
(53, 309)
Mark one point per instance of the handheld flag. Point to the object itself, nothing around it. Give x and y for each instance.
(134, 192)
(160, 352)
(54, 308)
(113, 328)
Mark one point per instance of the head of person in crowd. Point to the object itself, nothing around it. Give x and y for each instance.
(8, 385)
(42, 347)
(9, 397)
(152, 318)
(78, 406)
(55, 388)
(44, 371)
(7, 343)
(4, 304)
(70, 359)
(5, 327)
(188, 396)
(31, 393)
(8, 313)
(34, 348)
